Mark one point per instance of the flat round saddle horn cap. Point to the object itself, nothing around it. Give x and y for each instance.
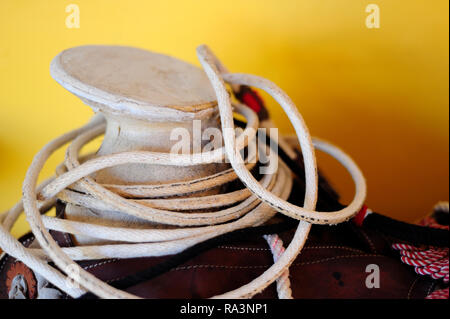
(135, 83)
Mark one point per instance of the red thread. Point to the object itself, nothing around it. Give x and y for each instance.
(428, 261)
(439, 294)
(359, 218)
(252, 100)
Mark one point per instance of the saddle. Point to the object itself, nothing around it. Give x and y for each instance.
(136, 218)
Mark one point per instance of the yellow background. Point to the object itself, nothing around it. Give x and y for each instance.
(381, 94)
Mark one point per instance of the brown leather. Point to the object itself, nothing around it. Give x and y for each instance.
(331, 265)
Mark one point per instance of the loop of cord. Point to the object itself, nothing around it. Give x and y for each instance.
(251, 206)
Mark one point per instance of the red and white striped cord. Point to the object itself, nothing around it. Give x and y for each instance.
(432, 262)
(283, 283)
(429, 261)
(439, 294)
(431, 222)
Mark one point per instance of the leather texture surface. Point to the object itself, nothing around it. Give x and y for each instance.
(331, 265)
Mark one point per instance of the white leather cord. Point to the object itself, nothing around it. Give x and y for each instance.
(187, 222)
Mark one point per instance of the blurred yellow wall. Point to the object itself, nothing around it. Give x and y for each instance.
(381, 94)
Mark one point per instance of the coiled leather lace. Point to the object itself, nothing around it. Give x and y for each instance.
(258, 202)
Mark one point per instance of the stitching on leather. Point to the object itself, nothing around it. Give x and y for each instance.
(334, 258)
(309, 247)
(101, 263)
(432, 285)
(220, 266)
(114, 279)
(266, 266)
(4, 262)
(411, 288)
(26, 241)
(244, 248)
(67, 239)
(334, 247)
(372, 246)
(253, 267)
